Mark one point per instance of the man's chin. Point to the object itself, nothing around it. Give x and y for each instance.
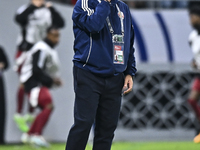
(197, 27)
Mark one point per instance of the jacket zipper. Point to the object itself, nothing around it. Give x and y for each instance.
(89, 51)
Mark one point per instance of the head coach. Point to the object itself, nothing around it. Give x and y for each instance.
(104, 66)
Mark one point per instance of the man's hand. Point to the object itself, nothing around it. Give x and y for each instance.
(2, 65)
(193, 64)
(38, 3)
(57, 81)
(128, 84)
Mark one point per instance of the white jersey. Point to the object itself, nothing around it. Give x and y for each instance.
(48, 58)
(194, 40)
(37, 24)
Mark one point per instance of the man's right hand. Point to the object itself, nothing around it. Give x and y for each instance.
(38, 3)
(57, 81)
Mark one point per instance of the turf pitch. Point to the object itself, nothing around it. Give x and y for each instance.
(118, 146)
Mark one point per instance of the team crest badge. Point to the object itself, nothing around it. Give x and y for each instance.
(121, 14)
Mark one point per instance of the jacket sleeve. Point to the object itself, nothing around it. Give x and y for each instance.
(89, 19)
(22, 14)
(3, 58)
(39, 62)
(57, 19)
(131, 66)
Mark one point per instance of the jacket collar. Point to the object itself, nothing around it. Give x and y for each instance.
(114, 2)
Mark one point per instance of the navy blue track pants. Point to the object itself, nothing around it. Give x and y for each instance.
(97, 100)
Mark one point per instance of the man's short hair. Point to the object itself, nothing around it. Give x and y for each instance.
(195, 10)
(52, 28)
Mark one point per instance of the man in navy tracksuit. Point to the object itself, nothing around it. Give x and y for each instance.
(104, 65)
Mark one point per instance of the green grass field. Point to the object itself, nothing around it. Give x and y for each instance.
(118, 146)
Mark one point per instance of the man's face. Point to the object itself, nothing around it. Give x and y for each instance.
(195, 21)
(54, 36)
(38, 3)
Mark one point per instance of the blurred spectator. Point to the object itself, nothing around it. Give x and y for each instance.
(173, 4)
(194, 41)
(34, 19)
(166, 4)
(73, 2)
(193, 3)
(136, 4)
(40, 72)
(3, 67)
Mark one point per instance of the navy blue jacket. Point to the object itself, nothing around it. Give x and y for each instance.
(93, 41)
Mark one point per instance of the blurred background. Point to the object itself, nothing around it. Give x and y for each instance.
(149, 4)
(157, 109)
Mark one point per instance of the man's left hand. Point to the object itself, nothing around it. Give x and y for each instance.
(128, 84)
